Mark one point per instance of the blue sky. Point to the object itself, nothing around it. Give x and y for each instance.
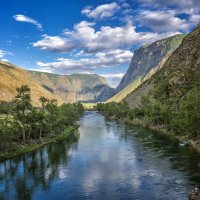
(87, 36)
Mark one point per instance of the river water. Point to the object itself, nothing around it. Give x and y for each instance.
(106, 160)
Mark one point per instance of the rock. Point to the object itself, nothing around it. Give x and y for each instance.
(194, 195)
(183, 143)
(149, 59)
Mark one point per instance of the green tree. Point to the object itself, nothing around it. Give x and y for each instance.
(190, 111)
(22, 108)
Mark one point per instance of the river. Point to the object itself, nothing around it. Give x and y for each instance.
(106, 160)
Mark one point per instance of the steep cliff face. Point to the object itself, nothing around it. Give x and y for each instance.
(76, 87)
(178, 77)
(149, 58)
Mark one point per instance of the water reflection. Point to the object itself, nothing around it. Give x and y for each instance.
(108, 161)
(21, 176)
(181, 158)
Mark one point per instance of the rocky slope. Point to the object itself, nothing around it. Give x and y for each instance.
(127, 90)
(178, 77)
(69, 88)
(75, 87)
(13, 76)
(148, 59)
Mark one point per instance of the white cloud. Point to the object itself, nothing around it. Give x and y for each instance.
(100, 61)
(163, 21)
(23, 18)
(113, 79)
(85, 37)
(102, 11)
(5, 60)
(2, 53)
(55, 43)
(195, 19)
(126, 5)
(183, 4)
(118, 75)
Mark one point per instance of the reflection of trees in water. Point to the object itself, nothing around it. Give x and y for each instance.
(165, 147)
(181, 158)
(118, 129)
(20, 176)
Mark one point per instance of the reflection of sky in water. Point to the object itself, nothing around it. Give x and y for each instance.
(110, 161)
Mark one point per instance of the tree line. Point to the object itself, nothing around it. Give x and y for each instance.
(179, 115)
(23, 123)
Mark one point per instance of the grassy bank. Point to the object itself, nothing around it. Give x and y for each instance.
(89, 106)
(182, 124)
(67, 133)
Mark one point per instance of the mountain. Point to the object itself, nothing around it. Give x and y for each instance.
(127, 90)
(145, 62)
(75, 87)
(64, 88)
(13, 76)
(178, 78)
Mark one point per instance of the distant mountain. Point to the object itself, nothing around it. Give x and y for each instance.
(178, 78)
(76, 87)
(64, 88)
(145, 62)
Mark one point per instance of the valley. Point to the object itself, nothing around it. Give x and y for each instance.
(100, 100)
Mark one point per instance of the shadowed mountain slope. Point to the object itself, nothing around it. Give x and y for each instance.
(179, 76)
(146, 61)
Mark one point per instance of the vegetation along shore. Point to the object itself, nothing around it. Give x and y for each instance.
(24, 127)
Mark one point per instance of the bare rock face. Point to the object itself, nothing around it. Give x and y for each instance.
(149, 57)
(194, 195)
(178, 76)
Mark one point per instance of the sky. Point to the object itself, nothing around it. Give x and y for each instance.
(88, 36)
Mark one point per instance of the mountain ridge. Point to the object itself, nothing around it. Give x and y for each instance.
(76, 87)
(179, 75)
(146, 60)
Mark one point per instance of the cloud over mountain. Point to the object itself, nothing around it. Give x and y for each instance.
(85, 37)
(101, 60)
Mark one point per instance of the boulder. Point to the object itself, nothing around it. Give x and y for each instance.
(194, 195)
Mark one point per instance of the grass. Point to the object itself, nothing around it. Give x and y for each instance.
(88, 106)
(22, 149)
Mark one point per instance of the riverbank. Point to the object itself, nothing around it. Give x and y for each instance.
(22, 149)
(195, 144)
(191, 143)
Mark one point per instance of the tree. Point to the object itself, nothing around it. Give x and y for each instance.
(42, 115)
(8, 129)
(190, 111)
(23, 106)
(53, 111)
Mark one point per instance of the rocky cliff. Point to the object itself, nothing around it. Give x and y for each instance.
(178, 77)
(148, 59)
